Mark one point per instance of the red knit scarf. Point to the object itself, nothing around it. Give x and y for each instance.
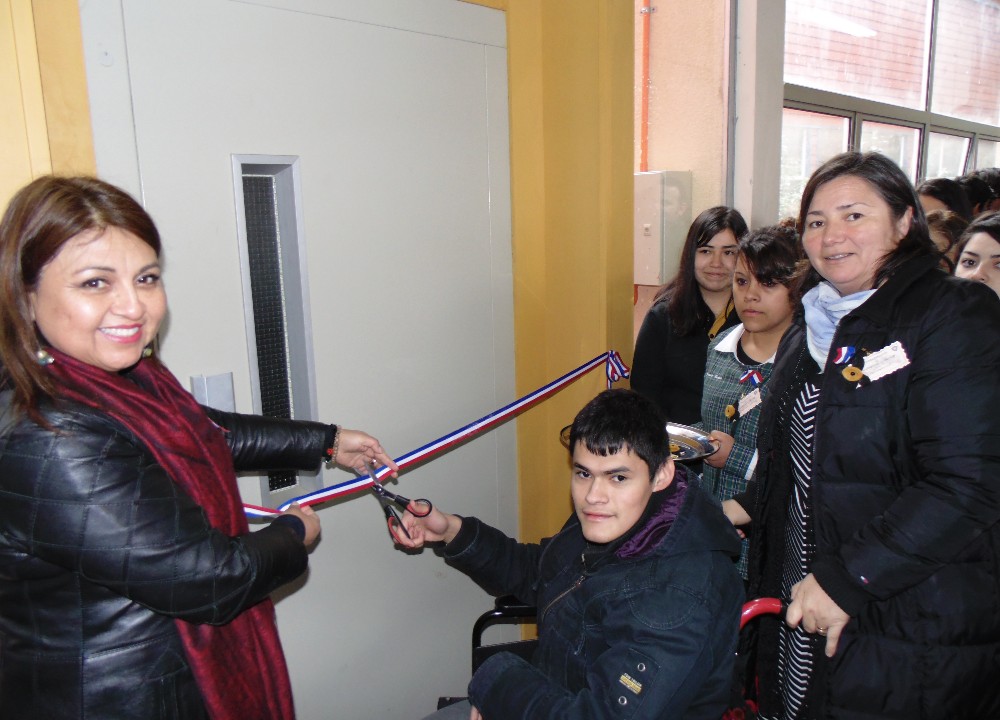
(239, 667)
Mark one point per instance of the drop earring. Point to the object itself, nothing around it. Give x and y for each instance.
(43, 357)
(147, 351)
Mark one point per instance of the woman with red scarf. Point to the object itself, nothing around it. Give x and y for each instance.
(130, 585)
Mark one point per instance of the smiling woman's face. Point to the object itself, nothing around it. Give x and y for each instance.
(100, 299)
(849, 230)
(715, 261)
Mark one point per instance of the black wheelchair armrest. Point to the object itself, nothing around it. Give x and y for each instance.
(512, 606)
(506, 609)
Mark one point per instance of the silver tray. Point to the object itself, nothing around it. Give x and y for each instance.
(686, 442)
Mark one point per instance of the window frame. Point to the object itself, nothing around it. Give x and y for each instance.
(856, 110)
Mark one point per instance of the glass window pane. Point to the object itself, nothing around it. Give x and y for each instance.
(897, 142)
(946, 155)
(808, 139)
(872, 49)
(987, 154)
(967, 61)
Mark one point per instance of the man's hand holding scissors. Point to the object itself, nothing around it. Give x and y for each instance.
(436, 526)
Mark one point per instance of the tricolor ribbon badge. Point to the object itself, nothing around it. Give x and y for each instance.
(754, 376)
(616, 368)
(844, 355)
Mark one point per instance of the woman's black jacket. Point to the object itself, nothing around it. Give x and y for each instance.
(906, 503)
(100, 551)
(668, 368)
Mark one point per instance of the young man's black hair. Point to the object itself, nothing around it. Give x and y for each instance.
(618, 419)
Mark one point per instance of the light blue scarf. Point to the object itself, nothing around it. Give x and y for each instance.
(824, 308)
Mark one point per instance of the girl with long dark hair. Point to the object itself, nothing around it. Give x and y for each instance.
(696, 305)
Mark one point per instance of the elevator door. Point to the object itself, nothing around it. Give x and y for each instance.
(395, 112)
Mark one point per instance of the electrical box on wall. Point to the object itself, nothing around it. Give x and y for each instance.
(662, 218)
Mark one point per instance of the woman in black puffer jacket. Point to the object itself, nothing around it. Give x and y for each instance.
(877, 497)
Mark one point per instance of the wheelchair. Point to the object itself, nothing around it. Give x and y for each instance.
(508, 609)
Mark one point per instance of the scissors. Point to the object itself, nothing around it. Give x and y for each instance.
(421, 507)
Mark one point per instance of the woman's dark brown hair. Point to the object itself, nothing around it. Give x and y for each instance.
(893, 187)
(39, 220)
(772, 254)
(685, 305)
(950, 192)
(950, 226)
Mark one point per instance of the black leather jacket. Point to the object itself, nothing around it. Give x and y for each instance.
(100, 551)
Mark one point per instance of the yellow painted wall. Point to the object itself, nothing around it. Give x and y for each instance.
(571, 74)
(44, 112)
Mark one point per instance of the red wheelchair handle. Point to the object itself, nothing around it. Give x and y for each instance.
(762, 606)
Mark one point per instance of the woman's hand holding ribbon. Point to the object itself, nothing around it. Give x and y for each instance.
(358, 450)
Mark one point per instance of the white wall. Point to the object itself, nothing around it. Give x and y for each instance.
(397, 110)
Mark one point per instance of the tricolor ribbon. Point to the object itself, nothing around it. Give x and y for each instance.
(616, 369)
(844, 354)
(754, 376)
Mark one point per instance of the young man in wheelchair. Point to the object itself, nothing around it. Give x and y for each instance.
(638, 595)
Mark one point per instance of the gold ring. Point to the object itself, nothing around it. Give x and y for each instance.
(822, 630)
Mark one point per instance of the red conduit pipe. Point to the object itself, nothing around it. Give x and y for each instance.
(646, 11)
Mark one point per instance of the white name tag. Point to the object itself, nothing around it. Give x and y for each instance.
(887, 360)
(749, 401)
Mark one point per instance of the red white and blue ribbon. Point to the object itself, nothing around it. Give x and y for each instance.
(753, 375)
(616, 369)
(844, 354)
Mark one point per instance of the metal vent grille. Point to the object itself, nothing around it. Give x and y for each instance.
(268, 298)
